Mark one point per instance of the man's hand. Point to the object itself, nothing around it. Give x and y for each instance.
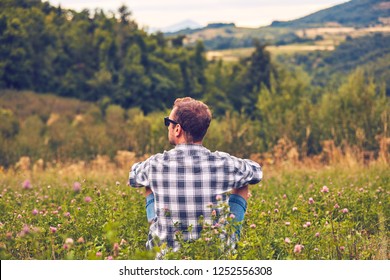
(148, 191)
(242, 192)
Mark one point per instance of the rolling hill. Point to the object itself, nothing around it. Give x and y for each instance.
(353, 18)
(356, 13)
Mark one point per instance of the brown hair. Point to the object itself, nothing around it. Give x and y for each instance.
(194, 117)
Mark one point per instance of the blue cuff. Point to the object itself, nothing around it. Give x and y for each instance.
(238, 207)
(150, 212)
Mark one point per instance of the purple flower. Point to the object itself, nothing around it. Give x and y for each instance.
(27, 184)
(76, 186)
(311, 200)
(88, 199)
(345, 210)
(26, 229)
(35, 212)
(317, 234)
(298, 248)
(287, 240)
(336, 206)
(325, 189)
(53, 229)
(252, 226)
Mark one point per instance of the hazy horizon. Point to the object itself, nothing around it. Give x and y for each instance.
(155, 14)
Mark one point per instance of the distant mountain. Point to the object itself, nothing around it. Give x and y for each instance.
(356, 13)
(183, 25)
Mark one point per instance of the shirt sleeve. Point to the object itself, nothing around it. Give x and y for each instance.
(246, 172)
(139, 174)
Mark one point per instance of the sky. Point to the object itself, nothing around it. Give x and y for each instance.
(244, 13)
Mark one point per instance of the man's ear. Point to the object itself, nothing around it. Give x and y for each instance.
(178, 130)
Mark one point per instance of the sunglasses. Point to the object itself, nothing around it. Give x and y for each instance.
(168, 121)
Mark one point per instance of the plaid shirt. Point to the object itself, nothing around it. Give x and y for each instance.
(186, 181)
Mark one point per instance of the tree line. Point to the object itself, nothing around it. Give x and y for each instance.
(132, 78)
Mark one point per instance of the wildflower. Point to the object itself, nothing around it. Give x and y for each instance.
(80, 240)
(69, 241)
(25, 230)
(316, 249)
(35, 212)
(116, 249)
(232, 216)
(284, 196)
(252, 226)
(207, 239)
(67, 214)
(76, 187)
(19, 216)
(287, 240)
(298, 248)
(342, 248)
(218, 197)
(287, 223)
(311, 200)
(123, 242)
(117, 183)
(213, 213)
(325, 189)
(27, 184)
(308, 224)
(336, 206)
(110, 258)
(276, 210)
(345, 210)
(87, 199)
(294, 209)
(98, 254)
(317, 234)
(53, 229)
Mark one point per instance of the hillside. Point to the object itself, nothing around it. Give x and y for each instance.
(357, 13)
(353, 18)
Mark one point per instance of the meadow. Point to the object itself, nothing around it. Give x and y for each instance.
(83, 212)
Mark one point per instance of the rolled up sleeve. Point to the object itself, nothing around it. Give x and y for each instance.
(246, 172)
(139, 174)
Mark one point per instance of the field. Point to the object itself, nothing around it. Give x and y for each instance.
(79, 212)
(331, 38)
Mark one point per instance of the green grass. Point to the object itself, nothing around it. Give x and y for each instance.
(286, 211)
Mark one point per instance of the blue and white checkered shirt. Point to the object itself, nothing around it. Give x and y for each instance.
(186, 181)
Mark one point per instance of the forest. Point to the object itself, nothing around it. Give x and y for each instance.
(77, 85)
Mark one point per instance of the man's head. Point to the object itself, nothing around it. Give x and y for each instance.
(193, 118)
